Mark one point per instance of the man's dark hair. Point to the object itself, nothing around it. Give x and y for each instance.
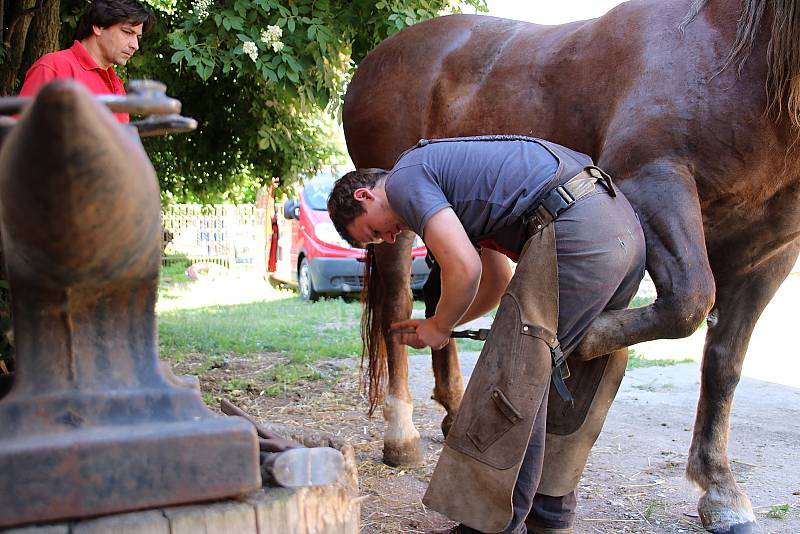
(342, 205)
(106, 13)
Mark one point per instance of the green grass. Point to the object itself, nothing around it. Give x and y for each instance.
(778, 511)
(654, 386)
(215, 317)
(302, 331)
(641, 301)
(287, 375)
(636, 360)
(226, 316)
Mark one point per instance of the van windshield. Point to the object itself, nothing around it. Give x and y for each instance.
(317, 190)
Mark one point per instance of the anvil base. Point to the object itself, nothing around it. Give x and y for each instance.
(89, 472)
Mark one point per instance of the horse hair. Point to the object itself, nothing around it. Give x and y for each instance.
(783, 51)
(373, 342)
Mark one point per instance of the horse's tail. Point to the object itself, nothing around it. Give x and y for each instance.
(373, 341)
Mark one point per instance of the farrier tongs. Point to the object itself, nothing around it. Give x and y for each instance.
(480, 334)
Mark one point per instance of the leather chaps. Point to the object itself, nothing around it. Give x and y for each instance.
(475, 477)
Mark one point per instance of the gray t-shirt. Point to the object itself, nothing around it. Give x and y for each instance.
(488, 182)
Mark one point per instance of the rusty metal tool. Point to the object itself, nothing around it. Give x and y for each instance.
(286, 463)
(145, 97)
(268, 441)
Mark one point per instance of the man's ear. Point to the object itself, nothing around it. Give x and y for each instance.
(97, 30)
(363, 193)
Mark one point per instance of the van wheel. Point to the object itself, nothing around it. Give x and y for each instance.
(307, 291)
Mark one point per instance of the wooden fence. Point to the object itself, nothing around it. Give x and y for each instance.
(233, 236)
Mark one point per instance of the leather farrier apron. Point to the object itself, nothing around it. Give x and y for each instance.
(474, 479)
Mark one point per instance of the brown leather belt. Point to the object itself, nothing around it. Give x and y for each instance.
(562, 197)
(553, 203)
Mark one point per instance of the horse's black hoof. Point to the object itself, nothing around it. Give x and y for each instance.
(751, 527)
(447, 424)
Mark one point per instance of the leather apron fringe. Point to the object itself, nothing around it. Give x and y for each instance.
(475, 477)
(573, 429)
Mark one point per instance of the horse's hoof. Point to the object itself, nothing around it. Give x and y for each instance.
(402, 454)
(447, 424)
(725, 509)
(750, 527)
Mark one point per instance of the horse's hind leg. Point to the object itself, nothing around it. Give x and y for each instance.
(401, 442)
(724, 507)
(448, 386)
(676, 259)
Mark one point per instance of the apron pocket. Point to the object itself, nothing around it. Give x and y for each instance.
(493, 421)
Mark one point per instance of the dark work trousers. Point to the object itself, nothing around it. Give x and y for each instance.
(601, 261)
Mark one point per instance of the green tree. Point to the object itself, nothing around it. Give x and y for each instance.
(262, 77)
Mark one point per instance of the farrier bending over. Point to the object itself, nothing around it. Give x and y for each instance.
(579, 249)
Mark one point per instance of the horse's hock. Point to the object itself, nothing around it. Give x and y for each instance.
(91, 425)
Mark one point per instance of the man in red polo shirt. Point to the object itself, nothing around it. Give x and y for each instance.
(107, 34)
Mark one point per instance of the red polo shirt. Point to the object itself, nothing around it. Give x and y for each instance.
(76, 63)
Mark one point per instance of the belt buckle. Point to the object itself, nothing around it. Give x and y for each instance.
(566, 196)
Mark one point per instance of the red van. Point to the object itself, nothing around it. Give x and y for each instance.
(310, 253)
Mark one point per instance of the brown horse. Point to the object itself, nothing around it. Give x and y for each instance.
(696, 116)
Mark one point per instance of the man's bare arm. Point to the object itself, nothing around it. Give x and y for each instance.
(495, 276)
(461, 273)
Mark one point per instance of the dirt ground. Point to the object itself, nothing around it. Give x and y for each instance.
(634, 481)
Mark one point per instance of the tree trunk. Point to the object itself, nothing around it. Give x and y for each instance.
(42, 34)
(17, 21)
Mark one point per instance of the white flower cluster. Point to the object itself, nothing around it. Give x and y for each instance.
(201, 8)
(250, 48)
(272, 36)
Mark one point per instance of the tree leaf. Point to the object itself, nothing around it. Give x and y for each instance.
(291, 25)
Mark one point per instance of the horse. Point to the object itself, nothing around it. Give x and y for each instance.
(692, 105)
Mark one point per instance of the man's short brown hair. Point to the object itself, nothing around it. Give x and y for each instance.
(106, 13)
(342, 205)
